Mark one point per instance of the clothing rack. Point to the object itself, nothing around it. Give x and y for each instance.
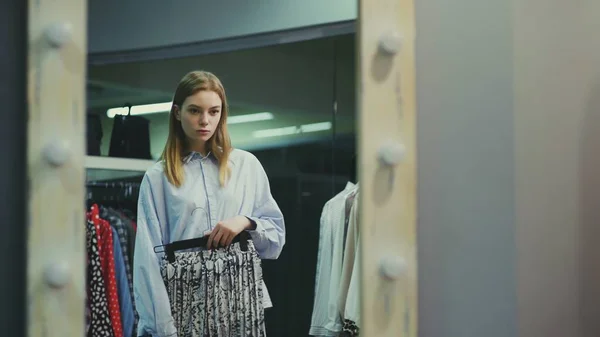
(111, 237)
(112, 191)
(113, 185)
(338, 264)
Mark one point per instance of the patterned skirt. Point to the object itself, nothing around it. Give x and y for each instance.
(216, 293)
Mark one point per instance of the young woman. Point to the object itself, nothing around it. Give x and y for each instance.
(202, 188)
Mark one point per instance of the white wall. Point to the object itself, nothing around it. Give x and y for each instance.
(134, 24)
(509, 168)
(465, 127)
(557, 151)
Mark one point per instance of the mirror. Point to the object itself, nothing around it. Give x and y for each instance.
(263, 246)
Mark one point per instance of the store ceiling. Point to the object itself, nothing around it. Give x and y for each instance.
(295, 82)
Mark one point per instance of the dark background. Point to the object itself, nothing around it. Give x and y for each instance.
(13, 172)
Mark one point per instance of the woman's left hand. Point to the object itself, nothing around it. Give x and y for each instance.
(226, 230)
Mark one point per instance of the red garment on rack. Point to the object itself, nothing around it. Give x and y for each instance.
(107, 261)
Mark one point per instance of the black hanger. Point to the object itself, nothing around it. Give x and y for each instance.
(121, 195)
(170, 248)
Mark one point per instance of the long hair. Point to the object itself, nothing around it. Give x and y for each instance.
(176, 147)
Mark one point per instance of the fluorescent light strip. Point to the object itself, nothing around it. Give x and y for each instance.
(315, 127)
(292, 130)
(140, 109)
(166, 107)
(257, 117)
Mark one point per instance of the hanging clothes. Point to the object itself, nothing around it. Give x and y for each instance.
(94, 134)
(130, 137)
(100, 324)
(216, 292)
(107, 262)
(115, 240)
(350, 329)
(126, 240)
(125, 235)
(349, 288)
(125, 299)
(326, 319)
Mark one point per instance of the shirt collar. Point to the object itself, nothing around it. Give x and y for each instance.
(196, 155)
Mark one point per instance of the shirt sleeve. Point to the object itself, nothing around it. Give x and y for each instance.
(151, 299)
(349, 296)
(324, 320)
(269, 234)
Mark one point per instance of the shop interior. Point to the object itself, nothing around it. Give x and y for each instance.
(292, 105)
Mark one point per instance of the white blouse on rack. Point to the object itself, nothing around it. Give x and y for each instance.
(327, 312)
(348, 293)
(167, 213)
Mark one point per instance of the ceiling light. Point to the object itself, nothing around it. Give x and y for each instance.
(292, 130)
(315, 127)
(146, 109)
(261, 116)
(140, 109)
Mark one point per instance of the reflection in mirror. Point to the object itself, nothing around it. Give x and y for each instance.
(221, 194)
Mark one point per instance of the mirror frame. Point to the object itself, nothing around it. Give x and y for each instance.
(56, 93)
(55, 159)
(388, 201)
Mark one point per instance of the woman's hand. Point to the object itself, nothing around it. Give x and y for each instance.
(226, 230)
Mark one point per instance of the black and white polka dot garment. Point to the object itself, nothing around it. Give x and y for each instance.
(100, 325)
(350, 329)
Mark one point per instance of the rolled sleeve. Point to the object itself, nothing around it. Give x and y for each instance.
(269, 234)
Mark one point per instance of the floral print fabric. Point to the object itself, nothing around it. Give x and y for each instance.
(350, 329)
(100, 323)
(216, 293)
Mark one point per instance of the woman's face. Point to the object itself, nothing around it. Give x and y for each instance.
(199, 116)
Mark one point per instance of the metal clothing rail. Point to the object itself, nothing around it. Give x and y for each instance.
(114, 191)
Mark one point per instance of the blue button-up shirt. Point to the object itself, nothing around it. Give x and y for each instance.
(167, 213)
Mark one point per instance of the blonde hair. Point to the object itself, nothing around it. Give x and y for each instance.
(176, 147)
